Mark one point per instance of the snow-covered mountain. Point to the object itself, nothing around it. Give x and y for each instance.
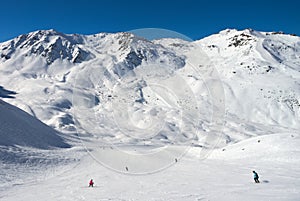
(261, 76)
(259, 72)
(151, 100)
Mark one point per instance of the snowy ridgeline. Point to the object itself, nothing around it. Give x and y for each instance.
(125, 96)
(75, 76)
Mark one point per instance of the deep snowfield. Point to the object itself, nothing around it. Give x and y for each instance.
(150, 120)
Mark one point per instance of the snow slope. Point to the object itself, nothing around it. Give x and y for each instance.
(139, 106)
(27, 146)
(226, 175)
(21, 129)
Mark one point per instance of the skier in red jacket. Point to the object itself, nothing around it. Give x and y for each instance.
(91, 183)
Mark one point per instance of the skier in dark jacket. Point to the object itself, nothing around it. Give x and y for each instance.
(255, 175)
(91, 183)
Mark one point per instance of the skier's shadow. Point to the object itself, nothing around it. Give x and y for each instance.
(91, 187)
(265, 181)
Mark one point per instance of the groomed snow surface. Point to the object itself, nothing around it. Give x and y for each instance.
(225, 175)
(150, 120)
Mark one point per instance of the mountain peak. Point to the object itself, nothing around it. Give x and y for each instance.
(50, 44)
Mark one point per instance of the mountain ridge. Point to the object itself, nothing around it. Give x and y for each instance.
(262, 66)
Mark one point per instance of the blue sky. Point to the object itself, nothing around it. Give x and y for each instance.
(195, 19)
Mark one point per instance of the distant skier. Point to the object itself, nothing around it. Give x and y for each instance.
(255, 175)
(91, 183)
